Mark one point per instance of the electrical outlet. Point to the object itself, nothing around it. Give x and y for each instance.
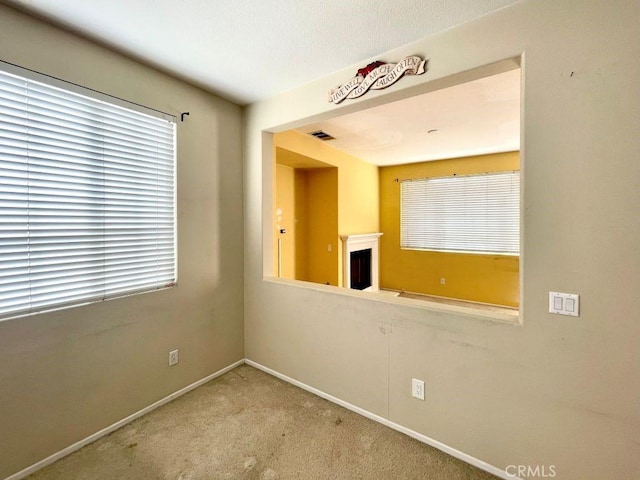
(443, 281)
(173, 357)
(417, 388)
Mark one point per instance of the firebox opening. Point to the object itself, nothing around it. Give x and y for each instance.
(361, 269)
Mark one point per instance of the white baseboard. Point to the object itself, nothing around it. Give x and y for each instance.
(120, 423)
(376, 418)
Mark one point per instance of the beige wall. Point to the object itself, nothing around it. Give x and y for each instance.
(555, 390)
(68, 374)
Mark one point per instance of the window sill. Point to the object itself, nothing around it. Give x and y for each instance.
(506, 315)
(462, 252)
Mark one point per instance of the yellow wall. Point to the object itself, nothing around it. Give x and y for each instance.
(305, 256)
(358, 207)
(301, 224)
(480, 278)
(284, 218)
(306, 202)
(322, 226)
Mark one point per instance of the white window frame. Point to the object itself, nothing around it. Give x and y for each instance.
(87, 195)
(476, 213)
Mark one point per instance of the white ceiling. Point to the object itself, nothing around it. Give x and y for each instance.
(249, 50)
(474, 118)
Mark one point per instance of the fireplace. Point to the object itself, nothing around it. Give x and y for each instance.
(361, 269)
(360, 261)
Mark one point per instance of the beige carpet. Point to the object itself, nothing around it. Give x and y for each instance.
(249, 425)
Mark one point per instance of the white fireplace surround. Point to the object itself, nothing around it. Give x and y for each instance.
(353, 243)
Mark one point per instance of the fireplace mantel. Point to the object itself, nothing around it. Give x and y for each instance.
(354, 243)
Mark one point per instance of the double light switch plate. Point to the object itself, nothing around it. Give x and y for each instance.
(564, 303)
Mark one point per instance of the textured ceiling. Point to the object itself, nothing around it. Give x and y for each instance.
(249, 50)
(473, 118)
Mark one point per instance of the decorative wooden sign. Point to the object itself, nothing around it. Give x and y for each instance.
(376, 76)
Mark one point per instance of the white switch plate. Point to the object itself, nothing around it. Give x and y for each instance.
(564, 303)
(173, 357)
(417, 388)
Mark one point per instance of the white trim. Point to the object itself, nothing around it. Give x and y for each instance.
(372, 416)
(120, 423)
(376, 418)
(353, 243)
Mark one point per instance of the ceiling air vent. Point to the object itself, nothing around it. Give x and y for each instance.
(322, 135)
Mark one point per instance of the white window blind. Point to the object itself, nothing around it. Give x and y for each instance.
(87, 197)
(474, 213)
